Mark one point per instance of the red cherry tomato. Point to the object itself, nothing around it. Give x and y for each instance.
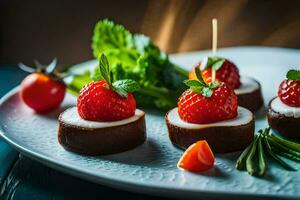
(41, 93)
(197, 158)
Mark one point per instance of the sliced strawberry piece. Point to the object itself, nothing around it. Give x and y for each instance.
(197, 158)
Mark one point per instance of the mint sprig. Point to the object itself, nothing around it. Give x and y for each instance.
(199, 86)
(214, 62)
(293, 74)
(122, 87)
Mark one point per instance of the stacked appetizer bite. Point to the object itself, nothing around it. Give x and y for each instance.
(247, 89)
(105, 120)
(284, 110)
(210, 111)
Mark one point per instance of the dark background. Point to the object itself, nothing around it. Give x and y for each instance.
(46, 29)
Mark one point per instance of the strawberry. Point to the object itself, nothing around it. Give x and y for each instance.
(106, 100)
(289, 89)
(96, 102)
(226, 72)
(204, 103)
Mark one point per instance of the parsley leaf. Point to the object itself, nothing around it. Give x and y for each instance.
(293, 74)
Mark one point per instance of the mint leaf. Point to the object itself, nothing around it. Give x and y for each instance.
(122, 87)
(214, 62)
(127, 84)
(293, 74)
(121, 92)
(214, 84)
(218, 64)
(199, 86)
(196, 89)
(192, 83)
(104, 69)
(207, 92)
(198, 75)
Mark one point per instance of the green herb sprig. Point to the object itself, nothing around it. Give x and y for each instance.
(293, 74)
(199, 86)
(253, 158)
(122, 87)
(133, 56)
(214, 62)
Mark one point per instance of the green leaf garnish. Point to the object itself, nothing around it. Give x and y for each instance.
(206, 91)
(199, 86)
(198, 75)
(105, 69)
(214, 84)
(134, 56)
(214, 62)
(293, 74)
(122, 87)
(192, 83)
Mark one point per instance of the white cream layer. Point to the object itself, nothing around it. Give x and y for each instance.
(247, 85)
(244, 117)
(278, 106)
(71, 116)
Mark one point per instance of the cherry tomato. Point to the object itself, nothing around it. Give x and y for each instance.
(197, 158)
(42, 93)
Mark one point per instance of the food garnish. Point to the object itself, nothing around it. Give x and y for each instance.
(216, 68)
(43, 90)
(107, 99)
(253, 158)
(289, 89)
(197, 158)
(134, 56)
(207, 103)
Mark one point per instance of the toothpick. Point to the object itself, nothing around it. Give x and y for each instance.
(214, 43)
(214, 35)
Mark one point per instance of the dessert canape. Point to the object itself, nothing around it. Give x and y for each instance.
(284, 110)
(105, 120)
(247, 89)
(210, 112)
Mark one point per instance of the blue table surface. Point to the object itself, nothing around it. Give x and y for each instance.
(24, 178)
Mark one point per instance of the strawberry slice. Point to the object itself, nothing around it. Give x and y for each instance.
(197, 158)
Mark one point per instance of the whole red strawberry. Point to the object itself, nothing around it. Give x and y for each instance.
(226, 72)
(289, 89)
(210, 103)
(96, 102)
(106, 100)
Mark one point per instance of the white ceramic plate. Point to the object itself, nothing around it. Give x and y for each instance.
(151, 168)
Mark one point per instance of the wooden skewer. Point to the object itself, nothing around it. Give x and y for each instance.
(214, 35)
(214, 43)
